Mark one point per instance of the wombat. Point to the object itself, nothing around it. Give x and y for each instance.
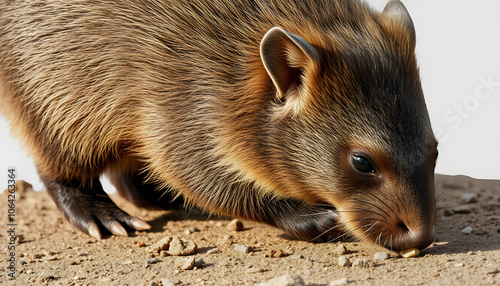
(306, 115)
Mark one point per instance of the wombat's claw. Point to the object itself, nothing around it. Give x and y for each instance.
(116, 228)
(93, 230)
(139, 224)
(113, 219)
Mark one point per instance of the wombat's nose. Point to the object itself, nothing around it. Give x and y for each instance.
(419, 236)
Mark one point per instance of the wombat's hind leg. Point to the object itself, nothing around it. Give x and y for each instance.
(90, 209)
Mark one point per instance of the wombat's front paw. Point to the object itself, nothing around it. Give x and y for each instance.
(304, 221)
(314, 226)
(90, 209)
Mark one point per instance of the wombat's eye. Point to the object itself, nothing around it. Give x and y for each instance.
(362, 164)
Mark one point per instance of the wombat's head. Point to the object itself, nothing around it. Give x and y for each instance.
(352, 125)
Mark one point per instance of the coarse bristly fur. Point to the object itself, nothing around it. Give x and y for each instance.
(254, 109)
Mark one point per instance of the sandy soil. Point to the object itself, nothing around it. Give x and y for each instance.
(52, 252)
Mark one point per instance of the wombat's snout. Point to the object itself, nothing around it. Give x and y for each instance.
(419, 236)
(396, 231)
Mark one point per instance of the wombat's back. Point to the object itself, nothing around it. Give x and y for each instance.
(81, 81)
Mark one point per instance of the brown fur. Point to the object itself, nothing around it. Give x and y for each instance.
(179, 90)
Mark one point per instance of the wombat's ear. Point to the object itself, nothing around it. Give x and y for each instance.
(394, 9)
(286, 58)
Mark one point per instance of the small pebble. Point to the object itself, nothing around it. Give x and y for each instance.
(212, 251)
(29, 271)
(465, 209)
(152, 261)
(382, 256)
(22, 262)
(49, 258)
(166, 282)
(459, 264)
(185, 263)
(342, 281)
(253, 270)
(276, 253)
(227, 239)
(47, 278)
(19, 238)
(340, 250)
(243, 248)
(127, 262)
(467, 230)
(199, 262)
(362, 263)
(285, 280)
(469, 198)
(411, 252)
(236, 225)
(343, 261)
(448, 212)
(297, 256)
(48, 253)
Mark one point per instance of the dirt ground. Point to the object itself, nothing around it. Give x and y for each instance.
(52, 252)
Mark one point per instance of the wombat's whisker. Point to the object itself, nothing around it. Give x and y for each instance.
(325, 205)
(375, 206)
(383, 202)
(339, 236)
(370, 219)
(319, 212)
(313, 214)
(326, 231)
(362, 210)
(373, 225)
(441, 195)
(379, 237)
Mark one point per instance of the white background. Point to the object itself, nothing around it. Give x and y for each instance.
(458, 49)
